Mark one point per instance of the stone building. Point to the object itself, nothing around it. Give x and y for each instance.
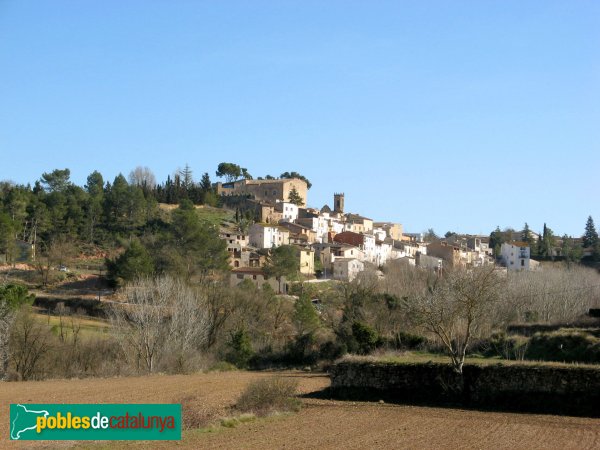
(265, 190)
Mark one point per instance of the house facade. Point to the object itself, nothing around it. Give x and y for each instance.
(515, 255)
(307, 261)
(347, 269)
(257, 277)
(289, 211)
(262, 235)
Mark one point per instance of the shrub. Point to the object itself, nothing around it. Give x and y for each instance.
(301, 350)
(572, 346)
(366, 337)
(240, 349)
(194, 414)
(508, 347)
(409, 341)
(330, 350)
(270, 395)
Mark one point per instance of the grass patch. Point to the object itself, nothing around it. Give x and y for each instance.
(425, 357)
(232, 422)
(89, 327)
(222, 366)
(214, 216)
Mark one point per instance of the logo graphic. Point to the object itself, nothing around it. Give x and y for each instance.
(95, 422)
(24, 418)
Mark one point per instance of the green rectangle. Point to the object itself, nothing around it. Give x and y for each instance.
(40, 422)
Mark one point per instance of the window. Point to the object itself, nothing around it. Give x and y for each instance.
(522, 263)
(240, 276)
(254, 277)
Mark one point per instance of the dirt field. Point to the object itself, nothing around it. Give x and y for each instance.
(321, 424)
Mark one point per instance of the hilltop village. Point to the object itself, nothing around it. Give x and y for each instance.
(332, 243)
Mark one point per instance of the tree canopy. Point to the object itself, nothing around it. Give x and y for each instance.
(229, 171)
(295, 175)
(283, 261)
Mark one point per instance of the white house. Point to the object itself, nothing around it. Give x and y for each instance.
(235, 240)
(318, 224)
(383, 252)
(289, 211)
(346, 269)
(263, 235)
(515, 255)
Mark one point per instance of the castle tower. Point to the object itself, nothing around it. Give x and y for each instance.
(338, 203)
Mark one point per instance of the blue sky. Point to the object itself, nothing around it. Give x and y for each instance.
(456, 115)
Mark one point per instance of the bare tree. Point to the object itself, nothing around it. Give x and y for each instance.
(142, 177)
(56, 253)
(7, 316)
(160, 315)
(456, 308)
(30, 341)
(189, 325)
(553, 294)
(219, 308)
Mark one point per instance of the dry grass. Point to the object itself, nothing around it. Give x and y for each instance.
(424, 357)
(90, 327)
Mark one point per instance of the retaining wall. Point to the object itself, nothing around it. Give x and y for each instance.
(545, 388)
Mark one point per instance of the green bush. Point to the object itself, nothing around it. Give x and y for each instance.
(505, 346)
(409, 341)
(270, 395)
(240, 349)
(366, 337)
(330, 350)
(301, 350)
(568, 346)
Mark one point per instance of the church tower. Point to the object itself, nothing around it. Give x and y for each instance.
(338, 203)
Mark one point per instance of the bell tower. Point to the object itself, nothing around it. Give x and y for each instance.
(338, 203)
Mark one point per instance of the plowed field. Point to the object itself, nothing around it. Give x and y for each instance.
(322, 424)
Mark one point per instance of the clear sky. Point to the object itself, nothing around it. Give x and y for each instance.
(456, 115)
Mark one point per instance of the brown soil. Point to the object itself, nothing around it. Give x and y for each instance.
(321, 423)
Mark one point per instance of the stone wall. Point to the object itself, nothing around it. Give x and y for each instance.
(545, 388)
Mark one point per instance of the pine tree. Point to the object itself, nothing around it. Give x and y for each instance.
(496, 241)
(205, 183)
(186, 177)
(590, 237)
(526, 234)
(295, 198)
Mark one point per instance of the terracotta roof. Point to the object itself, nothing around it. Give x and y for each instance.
(519, 244)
